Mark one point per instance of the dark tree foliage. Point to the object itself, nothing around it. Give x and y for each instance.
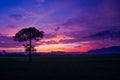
(27, 48)
(29, 34)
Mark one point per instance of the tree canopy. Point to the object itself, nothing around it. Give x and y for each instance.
(28, 34)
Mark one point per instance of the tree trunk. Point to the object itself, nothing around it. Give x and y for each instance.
(30, 55)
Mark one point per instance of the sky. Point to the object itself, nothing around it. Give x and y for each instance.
(68, 25)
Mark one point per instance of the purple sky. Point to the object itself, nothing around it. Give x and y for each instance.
(69, 25)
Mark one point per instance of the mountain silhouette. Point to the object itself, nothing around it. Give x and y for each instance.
(105, 51)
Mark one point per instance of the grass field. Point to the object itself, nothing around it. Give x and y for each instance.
(60, 67)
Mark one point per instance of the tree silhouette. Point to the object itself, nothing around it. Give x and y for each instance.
(29, 34)
(27, 47)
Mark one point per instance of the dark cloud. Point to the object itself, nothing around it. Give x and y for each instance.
(107, 34)
(57, 29)
(15, 16)
(1, 34)
(73, 21)
(8, 42)
(12, 26)
(49, 42)
(45, 42)
(49, 35)
(78, 36)
(69, 41)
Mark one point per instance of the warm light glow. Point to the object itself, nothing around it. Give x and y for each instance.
(56, 47)
(58, 38)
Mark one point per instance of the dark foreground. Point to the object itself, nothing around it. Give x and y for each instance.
(59, 68)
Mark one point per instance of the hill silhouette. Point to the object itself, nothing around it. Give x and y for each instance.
(105, 51)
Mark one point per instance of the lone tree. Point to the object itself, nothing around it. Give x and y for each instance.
(29, 34)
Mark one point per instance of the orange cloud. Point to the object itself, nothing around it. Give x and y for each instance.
(58, 38)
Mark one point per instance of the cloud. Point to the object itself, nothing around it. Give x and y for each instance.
(12, 26)
(46, 36)
(58, 38)
(8, 42)
(16, 16)
(1, 34)
(107, 34)
(41, 1)
(57, 29)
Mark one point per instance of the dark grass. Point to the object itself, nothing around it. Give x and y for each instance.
(60, 67)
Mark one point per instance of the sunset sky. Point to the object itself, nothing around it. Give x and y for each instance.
(69, 25)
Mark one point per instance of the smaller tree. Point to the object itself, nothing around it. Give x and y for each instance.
(29, 34)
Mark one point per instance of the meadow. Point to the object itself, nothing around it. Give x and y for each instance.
(60, 67)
